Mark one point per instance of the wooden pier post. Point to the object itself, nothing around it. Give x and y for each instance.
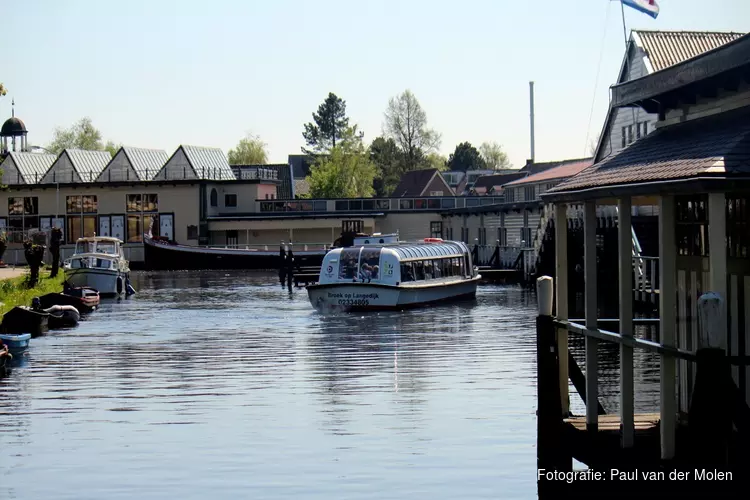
(561, 296)
(282, 264)
(590, 301)
(550, 449)
(710, 417)
(625, 240)
(289, 268)
(667, 323)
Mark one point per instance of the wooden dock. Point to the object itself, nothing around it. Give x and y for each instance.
(501, 276)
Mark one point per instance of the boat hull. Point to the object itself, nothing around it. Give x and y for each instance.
(377, 297)
(16, 342)
(105, 281)
(161, 256)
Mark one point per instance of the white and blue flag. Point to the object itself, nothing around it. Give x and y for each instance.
(649, 7)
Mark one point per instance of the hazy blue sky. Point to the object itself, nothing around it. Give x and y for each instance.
(163, 73)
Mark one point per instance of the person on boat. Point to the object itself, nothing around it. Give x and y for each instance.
(375, 270)
(365, 273)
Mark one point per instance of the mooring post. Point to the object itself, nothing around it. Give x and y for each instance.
(289, 268)
(710, 416)
(549, 412)
(282, 264)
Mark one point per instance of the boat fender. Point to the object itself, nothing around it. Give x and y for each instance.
(129, 290)
(119, 284)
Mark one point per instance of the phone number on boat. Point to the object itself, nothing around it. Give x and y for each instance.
(354, 302)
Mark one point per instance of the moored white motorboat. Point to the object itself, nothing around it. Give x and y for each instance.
(99, 263)
(379, 272)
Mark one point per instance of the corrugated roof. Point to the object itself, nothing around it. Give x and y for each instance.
(208, 163)
(32, 166)
(568, 168)
(718, 144)
(88, 164)
(146, 162)
(667, 48)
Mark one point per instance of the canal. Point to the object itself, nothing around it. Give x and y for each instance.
(217, 385)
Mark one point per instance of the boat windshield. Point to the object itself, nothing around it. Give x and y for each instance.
(348, 263)
(369, 264)
(107, 247)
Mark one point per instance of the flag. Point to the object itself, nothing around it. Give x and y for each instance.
(649, 7)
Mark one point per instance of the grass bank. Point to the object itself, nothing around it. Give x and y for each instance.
(15, 292)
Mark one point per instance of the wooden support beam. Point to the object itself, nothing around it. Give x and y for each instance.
(561, 296)
(625, 240)
(592, 365)
(579, 382)
(668, 316)
(717, 230)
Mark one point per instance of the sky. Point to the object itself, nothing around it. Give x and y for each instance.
(161, 73)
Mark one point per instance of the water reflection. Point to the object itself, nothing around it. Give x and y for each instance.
(228, 386)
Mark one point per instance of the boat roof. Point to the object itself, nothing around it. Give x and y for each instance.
(417, 250)
(100, 238)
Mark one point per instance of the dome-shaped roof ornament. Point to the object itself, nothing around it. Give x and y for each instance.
(11, 129)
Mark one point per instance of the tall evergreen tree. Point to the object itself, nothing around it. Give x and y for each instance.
(466, 157)
(328, 127)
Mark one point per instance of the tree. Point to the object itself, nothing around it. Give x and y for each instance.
(347, 171)
(389, 162)
(112, 148)
(436, 160)
(82, 135)
(330, 125)
(249, 151)
(494, 156)
(2, 90)
(406, 124)
(466, 157)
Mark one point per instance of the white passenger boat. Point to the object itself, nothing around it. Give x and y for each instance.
(99, 263)
(379, 272)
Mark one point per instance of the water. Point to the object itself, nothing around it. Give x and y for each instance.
(206, 385)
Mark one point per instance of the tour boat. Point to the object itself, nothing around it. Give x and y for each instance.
(379, 272)
(99, 263)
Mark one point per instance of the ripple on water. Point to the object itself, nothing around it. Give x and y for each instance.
(224, 384)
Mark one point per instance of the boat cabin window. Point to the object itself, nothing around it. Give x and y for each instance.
(348, 263)
(370, 263)
(407, 271)
(84, 247)
(106, 247)
(427, 269)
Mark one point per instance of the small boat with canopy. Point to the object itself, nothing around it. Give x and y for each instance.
(379, 272)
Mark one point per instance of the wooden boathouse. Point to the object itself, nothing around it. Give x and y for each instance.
(695, 169)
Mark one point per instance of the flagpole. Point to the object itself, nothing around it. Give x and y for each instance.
(624, 30)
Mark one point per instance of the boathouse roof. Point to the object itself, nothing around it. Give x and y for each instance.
(486, 183)
(196, 162)
(667, 48)
(713, 147)
(146, 162)
(716, 145)
(26, 168)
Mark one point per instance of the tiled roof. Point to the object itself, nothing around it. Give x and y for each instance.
(88, 164)
(536, 167)
(567, 168)
(208, 163)
(667, 48)
(413, 182)
(32, 166)
(146, 162)
(487, 181)
(718, 144)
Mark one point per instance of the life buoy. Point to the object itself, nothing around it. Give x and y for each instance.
(433, 240)
(119, 285)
